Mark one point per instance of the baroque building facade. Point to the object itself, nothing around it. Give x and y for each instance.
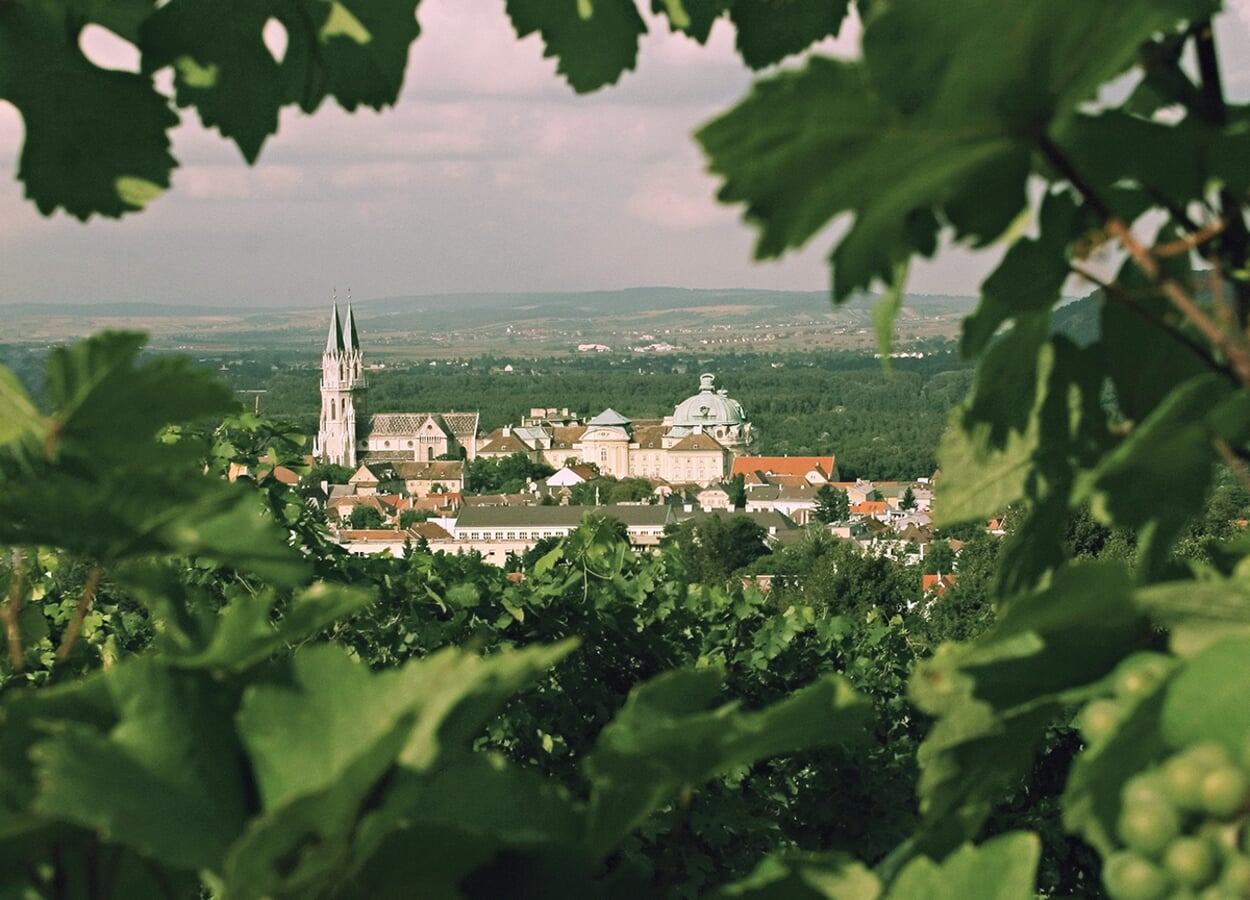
(695, 445)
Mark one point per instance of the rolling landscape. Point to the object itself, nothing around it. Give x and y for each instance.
(439, 326)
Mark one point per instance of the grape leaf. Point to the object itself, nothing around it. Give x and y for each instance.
(914, 129)
(668, 734)
(1206, 701)
(771, 30)
(96, 139)
(1135, 315)
(18, 415)
(595, 40)
(693, 17)
(1198, 614)
(355, 50)
(806, 875)
(163, 781)
(995, 697)
(245, 635)
(1031, 275)
(221, 66)
(891, 168)
(1002, 868)
(358, 52)
(986, 452)
(1170, 451)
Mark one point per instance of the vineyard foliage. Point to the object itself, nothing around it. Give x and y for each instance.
(200, 694)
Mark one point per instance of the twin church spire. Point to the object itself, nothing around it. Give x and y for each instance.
(343, 338)
(343, 390)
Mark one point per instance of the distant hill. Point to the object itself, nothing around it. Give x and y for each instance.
(550, 322)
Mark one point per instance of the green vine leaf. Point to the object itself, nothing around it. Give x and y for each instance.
(1000, 869)
(892, 168)
(1172, 451)
(692, 17)
(221, 66)
(18, 416)
(96, 140)
(806, 876)
(770, 31)
(669, 733)
(156, 782)
(595, 40)
(994, 698)
(1206, 701)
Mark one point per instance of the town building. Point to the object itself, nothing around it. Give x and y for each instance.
(348, 436)
(695, 445)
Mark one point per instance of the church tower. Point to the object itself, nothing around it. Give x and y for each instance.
(343, 390)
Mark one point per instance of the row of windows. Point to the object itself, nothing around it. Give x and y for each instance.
(537, 534)
(515, 535)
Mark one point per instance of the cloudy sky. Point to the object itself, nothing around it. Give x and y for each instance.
(490, 174)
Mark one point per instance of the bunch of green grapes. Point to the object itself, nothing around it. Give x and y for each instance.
(1183, 824)
(1132, 680)
(1184, 831)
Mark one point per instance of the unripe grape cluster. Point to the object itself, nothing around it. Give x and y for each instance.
(1183, 826)
(1135, 678)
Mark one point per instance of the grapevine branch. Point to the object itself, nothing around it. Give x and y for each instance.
(1114, 289)
(1234, 349)
(75, 624)
(1235, 242)
(12, 609)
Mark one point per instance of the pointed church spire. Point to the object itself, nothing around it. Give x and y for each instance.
(334, 343)
(351, 341)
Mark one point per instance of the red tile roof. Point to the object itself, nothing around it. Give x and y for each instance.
(784, 465)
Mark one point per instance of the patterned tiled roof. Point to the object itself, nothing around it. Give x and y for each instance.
(382, 424)
(461, 423)
(461, 426)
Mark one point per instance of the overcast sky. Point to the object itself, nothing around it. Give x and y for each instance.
(489, 175)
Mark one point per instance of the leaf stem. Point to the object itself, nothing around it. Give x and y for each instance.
(84, 604)
(1117, 292)
(12, 610)
(1233, 347)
